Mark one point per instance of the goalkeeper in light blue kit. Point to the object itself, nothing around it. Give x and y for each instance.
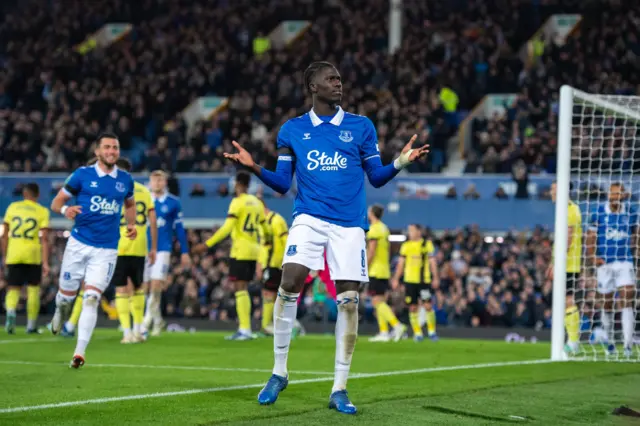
(330, 151)
(613, 239)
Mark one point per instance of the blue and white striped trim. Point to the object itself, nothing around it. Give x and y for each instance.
(371, 156)
(285, 158)
(347, 300)
(287, 298)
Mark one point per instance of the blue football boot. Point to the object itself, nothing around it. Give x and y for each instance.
(339, 401)
(269, 393)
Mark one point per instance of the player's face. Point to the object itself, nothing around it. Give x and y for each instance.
(552, 191)
(157, 183)
(615, 194)
(328, 85)
(414, 232)
(108, 151)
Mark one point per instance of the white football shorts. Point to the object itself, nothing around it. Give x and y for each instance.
(81, 262)
(614, 275)
(160, 269)
(308, 239)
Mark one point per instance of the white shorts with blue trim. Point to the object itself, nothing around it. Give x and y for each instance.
(614, 275)
(308, 239)
(160, 269)
(82, 262)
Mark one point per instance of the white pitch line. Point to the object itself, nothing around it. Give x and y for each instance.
(260, 385)
(172, 367)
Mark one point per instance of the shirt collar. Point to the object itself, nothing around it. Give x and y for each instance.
(161, 198)
(336, 120)
(623, 209)
(113, 173)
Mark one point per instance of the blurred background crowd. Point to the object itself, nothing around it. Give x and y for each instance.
(55, 98)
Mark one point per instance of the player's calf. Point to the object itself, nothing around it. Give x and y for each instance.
(64, 304)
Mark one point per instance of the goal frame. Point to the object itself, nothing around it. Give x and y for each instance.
(563, 178)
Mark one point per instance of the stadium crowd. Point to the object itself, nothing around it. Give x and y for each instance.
(483, 282)
(526, 132)
(55, 98)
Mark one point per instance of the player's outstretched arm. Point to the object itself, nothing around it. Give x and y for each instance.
(280, 180)
(222, 233)
(379, 175)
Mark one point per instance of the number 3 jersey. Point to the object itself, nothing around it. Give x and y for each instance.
(144, 204)
(101, 196)
(24, 220)
(248, 212)
(614, 233)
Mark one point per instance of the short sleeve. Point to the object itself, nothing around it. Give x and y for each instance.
(234, 209)
(73, 184)
(369, 146)
(404, 249)
(44, 219)
(284, 137)
(429, 249)
(374, 233)
(130, 189)
(8, 215)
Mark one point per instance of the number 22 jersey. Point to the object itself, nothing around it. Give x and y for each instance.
(25, 219)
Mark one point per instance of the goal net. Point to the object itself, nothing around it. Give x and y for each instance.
(595, 267)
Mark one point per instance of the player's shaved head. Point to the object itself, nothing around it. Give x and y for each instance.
(124, 164)
(31, 190)
(104, 136)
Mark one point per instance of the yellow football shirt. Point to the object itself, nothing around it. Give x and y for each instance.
(413, 253)
(23, 222)
(379, 267)
(144, 204)
(428, 251)
(279, 230)
(574, 254)
(248, 212)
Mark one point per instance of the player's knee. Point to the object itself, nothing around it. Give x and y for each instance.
(91, 299)
(348, 301)
(293, 277)
(343, 286)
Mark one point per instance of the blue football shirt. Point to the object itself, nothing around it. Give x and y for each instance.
(329, 154)
(169, 214)
(101, 197)
(614, 233)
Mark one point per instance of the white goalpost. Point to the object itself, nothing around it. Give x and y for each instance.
(597, 137)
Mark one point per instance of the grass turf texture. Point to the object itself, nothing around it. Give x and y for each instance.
(216, 382)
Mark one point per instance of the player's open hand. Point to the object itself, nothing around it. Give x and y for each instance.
(72, 211)
(200, 248)
(415, 153)
(151, 256)
(243, 157)
(132, 232)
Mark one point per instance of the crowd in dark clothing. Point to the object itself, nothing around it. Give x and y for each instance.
(55, 99)
(601, 58)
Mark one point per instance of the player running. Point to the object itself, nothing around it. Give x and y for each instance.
(25, 249)
(131, 261)
(612, 238)
(379, 274)
(273, 253)
(169, 219)
(419, 270)
(91, 251)
(329, 150)
(574, 255)
(246, 224)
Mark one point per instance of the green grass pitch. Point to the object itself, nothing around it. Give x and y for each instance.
(201, 379)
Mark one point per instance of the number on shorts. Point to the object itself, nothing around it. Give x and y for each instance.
(18, 231)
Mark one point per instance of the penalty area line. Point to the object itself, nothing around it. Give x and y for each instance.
(171, 367)
(260, 385)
